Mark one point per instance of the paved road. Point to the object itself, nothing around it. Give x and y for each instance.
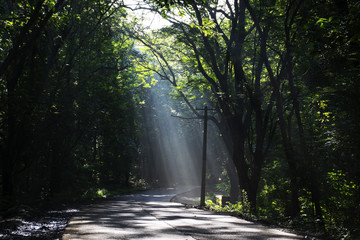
(151, 215)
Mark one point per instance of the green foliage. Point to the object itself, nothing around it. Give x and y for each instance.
(291, 69)
(166, 4)
(67, 99)
(223, 187)
(95, 193)
(341, 207)
(240, 208)
(283, 76)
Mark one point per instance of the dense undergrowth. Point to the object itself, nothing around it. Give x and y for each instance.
(10, 205)
(275, 215)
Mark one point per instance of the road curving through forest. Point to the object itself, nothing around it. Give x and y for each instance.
(151, 215)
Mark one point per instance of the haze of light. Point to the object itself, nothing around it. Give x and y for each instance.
(175, 150)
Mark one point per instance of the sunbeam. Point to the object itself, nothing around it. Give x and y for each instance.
(173, 146)
(174, 154)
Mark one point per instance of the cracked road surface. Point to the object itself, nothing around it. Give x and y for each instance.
(151, 215)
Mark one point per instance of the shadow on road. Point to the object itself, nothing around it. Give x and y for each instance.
(150, 215)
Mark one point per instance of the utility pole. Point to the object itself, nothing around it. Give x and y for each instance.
(203, 166)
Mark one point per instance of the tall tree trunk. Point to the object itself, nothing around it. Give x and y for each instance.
(307, 159)
(242, 167)
(288, 148)
(234, 181)
(12, 131)
(287, 144)
(229, 164)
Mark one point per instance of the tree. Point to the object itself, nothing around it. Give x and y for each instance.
(20, 51)
(216, 46)
(328, 71)
(69, 110)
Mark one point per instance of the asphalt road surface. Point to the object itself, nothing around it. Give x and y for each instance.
(151, 215)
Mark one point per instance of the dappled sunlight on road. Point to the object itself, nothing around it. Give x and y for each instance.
(146, 216)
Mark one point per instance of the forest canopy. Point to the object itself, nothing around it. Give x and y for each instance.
(282, 78)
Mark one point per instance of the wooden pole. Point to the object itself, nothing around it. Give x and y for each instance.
(203, 169)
